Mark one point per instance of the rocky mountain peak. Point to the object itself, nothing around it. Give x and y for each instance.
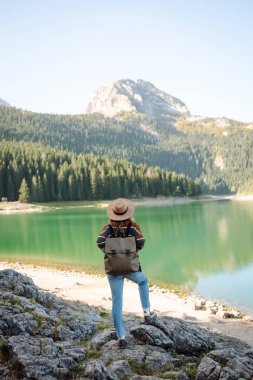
(127, 95)
(4, 103)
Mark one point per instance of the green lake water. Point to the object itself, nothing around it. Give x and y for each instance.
(203, 247)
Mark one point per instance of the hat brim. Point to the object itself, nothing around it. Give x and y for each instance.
(127, 215)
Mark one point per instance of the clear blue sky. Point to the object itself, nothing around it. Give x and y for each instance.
(54, 54)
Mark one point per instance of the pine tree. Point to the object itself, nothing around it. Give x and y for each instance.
(67, 176)
(34, 190)
(10, 189)
(24, 192)
(1, 184)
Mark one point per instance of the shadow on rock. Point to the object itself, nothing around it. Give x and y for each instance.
(44, 337)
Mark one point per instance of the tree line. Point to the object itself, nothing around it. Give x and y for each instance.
(30, 171)
(182, 146)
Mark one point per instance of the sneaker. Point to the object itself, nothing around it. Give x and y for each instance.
(148, 319)
(122, 343)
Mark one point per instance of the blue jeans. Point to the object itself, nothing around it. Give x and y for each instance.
(116, 285)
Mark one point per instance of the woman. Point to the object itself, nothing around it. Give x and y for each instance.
(120, 212)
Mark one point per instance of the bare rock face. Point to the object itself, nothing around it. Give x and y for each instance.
(43, 337)
(140, 96)
(4, 103)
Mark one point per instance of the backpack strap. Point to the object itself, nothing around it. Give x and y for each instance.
(128, 228)
(112, 233)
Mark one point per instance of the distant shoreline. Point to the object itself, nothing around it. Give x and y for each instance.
(7, 208)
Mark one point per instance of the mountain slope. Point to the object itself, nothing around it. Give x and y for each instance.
(222, 163)
(140, 96)
(4, 103)
(217, 152)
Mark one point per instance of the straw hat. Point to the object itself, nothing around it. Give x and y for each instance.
(120, 209)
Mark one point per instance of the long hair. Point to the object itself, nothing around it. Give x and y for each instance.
(120, 223)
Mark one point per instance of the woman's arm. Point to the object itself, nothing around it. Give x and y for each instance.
(136, 231)
(105, 232)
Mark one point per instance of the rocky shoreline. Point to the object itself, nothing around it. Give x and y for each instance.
(45, 337)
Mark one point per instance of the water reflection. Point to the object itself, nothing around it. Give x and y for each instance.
(219, 286)
(222, 229)
(184, 243)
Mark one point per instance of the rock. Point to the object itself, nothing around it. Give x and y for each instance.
(249, 353)
(229, 374)
(101, 338)
(46, 338)
(39, 356)
(156, 360)
(208, 369)
(181, 376)
(18, 284)
(140, 96)
(178, 375)
(136, 352)
(151, 335)
(244, 370)
(230, 314)
(67, 349)
(121, 368)
(96, 370)
(222, 356)
(46, 299)
(139, 377)
(225, 313)
(213, 310)
(40, 341)
(186, 338)
(200, 304)
(226, 364)
(25, 321)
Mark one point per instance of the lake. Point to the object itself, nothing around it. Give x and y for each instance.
(204, 247)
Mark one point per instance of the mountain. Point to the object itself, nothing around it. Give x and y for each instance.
(217, 152)
(128, 96)
(3, 103)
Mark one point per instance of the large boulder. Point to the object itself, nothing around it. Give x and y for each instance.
(169, 332)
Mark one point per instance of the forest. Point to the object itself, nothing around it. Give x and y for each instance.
(48, 174)
(219, 159)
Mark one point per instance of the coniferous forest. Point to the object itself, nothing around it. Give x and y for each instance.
(91, 156)
(45, 174)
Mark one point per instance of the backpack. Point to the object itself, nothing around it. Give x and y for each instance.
(121, 254)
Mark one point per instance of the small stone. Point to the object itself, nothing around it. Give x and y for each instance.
(230, 314)
(213, 310)
(200, 304)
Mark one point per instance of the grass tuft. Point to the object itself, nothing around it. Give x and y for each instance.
(4, 351)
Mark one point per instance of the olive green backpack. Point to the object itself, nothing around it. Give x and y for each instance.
(121, 255)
